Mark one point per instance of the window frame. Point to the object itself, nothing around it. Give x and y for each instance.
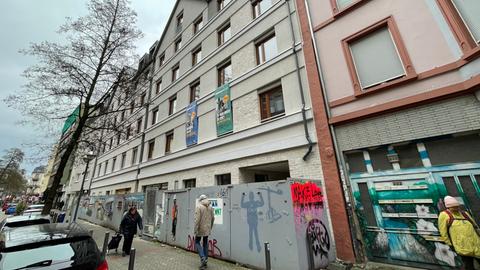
(132, 106)
(180, 20)
(154, 116)
(196, 24)
(221, 33)
(193, 91)
(133, 160)
(257, 7)
(402, 53)
(195, 58)
(191, 180)
(268, 93)
(460, 29)
(114, 161)
(169, 137)
(220, 4)
(151, 149)
(261, 44)
(139, 125)
(221, 72)
(123, 160)
(172, 104)
(161, 60)
(174, 69)
(177, 44)
(142, 99)
(158, 87)
(337, 11)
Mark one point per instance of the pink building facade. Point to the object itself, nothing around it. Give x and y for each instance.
(395, 89)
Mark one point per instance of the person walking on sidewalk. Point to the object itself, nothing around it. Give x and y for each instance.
(204, 218)
(128, 227)
(460, 232)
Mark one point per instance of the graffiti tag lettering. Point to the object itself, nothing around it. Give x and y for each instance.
(213, 249)
(319, 238)
(306, 193)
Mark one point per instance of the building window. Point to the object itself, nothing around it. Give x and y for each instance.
(224, 74)
(271, 103)
(197, 25)
(105, 169)
(139, 125)
(175, 73)
(172, 105)
(341, 4)
(266, 49)
(161, 60)
(224, 179)
(129, 128)
(189, 183)
(469, 10)
(196, 56)
(260, 6)
(154, 116)
(179, 21)
(114, 162)
(124, 159)
(151, 148)
(377, 58)
(134, 156)
(178, 44)
(168, 142)
(224, 34)
(158, 88)
(132, 107)
(194, 91)
(110, 145)
(99, 169)
(175, 184)
(119, 138)
(122, 116)
(142, 99)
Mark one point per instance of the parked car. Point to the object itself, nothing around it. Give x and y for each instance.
(11, 210)
(32, 212)
(20, 221)
(49, 247)
(35, 207)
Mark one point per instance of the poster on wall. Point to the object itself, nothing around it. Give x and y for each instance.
(191, 125)
(217, 205)
(224, 116)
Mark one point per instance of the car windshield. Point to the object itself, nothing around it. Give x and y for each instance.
(32, 207)
(27, 223)
(81, 254)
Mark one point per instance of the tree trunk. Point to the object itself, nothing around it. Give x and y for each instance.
(52, 191)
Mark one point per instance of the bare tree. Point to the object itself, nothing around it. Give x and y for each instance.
(86, 73)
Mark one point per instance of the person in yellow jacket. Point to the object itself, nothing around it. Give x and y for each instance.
(459, 230)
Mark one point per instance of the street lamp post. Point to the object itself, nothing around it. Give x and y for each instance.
(87, 158)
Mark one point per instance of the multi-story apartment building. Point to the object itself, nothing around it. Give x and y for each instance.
(221, 98)
(397, 85)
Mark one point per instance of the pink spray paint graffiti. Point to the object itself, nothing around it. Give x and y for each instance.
(213, 249)
(308, 209)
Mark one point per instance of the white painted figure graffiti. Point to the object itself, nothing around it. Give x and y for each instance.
(252, 217)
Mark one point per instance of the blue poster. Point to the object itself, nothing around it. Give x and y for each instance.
(191, 125)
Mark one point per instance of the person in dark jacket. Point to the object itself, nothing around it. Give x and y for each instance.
(128, 227)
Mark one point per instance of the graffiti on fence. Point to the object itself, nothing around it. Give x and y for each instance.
(308, 202)
(319, 238)
(213, 249)
(222, 193)
(272, 214)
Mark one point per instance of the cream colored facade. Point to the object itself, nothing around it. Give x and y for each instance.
(257, 149)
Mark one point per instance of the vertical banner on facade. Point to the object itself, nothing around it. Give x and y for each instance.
(192, 124)
(224, 115)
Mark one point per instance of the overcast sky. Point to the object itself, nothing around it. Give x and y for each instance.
(25, 21)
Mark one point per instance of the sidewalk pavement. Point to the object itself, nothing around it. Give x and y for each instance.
(152, 255)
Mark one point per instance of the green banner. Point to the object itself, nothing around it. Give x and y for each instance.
(224, 114)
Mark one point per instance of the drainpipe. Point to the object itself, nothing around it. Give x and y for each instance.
(339, 156)
(301, 90)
